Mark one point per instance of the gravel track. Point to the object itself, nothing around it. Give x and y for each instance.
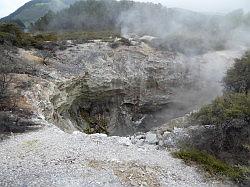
(51, 157)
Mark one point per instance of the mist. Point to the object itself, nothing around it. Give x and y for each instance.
(208, 6)
(187, 32)
(207, 44)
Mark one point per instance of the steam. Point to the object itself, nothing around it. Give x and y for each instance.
(204, 44)
(185, 31)
(207, 44)
(175, 29)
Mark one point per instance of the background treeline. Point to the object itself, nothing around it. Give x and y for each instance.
(179, 30)
(111, 14)
(84, 15)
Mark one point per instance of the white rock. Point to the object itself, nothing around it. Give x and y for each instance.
(151, 138)
(166, 134)
(161, 143)
(148, 38)
(125, 141)
(97, 135)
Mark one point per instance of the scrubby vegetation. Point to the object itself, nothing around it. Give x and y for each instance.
(211, 164)
(90, 15)
(225, 109)
(225, 127)
(12, 34)
(238, 77)
(84, 36)
(95, 124)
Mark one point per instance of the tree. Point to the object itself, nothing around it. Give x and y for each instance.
(47, 52)
(238, 77)
(43, 23)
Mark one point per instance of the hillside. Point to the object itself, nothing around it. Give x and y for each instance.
(179, 30)
(33, 10)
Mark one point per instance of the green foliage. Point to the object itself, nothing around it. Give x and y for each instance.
(225, 126)
(10, 29)
(42, 23)
(13, 34)
(88, 35)
(45, 37)
(90, 15)
(211, 164)
(238, 77)
(236, 103)
(224, 109)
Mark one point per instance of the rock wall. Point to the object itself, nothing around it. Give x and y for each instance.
(94, 87)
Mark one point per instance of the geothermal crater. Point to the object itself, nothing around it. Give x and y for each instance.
(96, 88)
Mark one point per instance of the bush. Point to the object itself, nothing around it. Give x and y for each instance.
(211, 164)
(224, 109)
(224, 126)
(238, 77)
(11, 33)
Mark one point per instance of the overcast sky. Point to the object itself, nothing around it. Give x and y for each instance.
(220, 6)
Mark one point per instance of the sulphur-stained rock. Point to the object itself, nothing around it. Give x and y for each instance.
(94, 88)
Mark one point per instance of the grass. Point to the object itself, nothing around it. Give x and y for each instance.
(88, 35)
(13, 34)
(211, 164)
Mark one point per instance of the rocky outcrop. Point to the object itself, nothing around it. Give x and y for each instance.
(94, 87)
(114, 90)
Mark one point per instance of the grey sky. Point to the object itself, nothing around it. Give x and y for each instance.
(221, 6)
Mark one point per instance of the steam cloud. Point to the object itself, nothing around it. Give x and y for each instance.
(205, 43)
(185, 31)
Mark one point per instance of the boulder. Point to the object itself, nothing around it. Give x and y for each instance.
(151, 138)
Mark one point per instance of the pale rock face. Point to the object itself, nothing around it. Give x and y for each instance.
(116, 86)
(93, 87)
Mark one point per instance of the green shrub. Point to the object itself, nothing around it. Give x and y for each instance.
(45, 37)
(95, 124)
(225, 126)
(238, 77)
(11, 33)
(223, 109)
(210, 164)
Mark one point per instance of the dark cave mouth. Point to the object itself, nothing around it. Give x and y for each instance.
(114, 117)
(109, 115)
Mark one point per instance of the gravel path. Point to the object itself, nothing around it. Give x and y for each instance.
(50, 157)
